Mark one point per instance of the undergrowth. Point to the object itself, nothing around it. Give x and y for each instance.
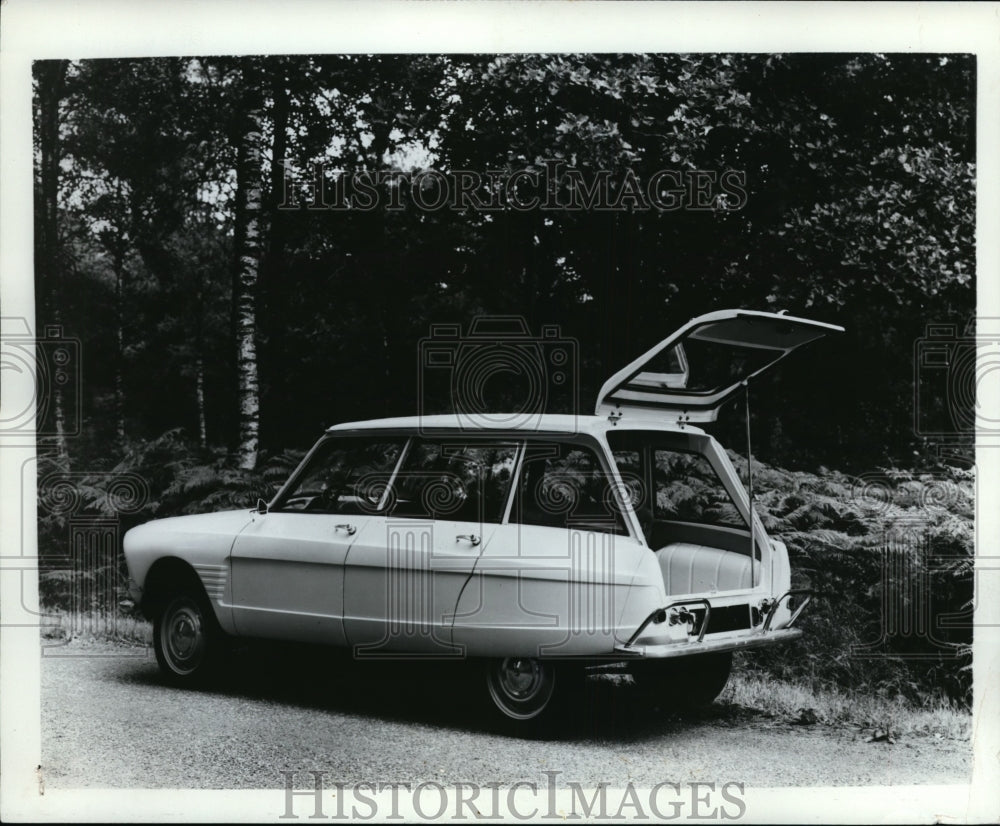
(798, 702)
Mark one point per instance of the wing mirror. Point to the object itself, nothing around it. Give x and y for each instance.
(261, 507)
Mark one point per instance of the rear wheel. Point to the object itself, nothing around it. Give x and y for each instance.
(186, 638)
(684, 682)
(521, 687)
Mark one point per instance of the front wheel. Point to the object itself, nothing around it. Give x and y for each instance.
(520, 687)
(185, 638)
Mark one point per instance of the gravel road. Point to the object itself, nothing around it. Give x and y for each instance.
(108, 721)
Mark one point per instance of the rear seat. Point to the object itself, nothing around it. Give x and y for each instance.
(695, 569)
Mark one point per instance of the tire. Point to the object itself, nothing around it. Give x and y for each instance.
(521, 688)
(186, 638)
(685, 682)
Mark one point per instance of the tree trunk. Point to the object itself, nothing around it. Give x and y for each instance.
(199, 391)
(199, 362)
(51, 76)
(248, 176)
(270, 295)
(119, 265)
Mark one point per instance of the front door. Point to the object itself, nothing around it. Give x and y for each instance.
(288, 565)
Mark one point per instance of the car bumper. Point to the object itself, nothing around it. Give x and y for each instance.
(755, 639)
(696, 641)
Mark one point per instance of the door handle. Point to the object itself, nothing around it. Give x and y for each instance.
(351, 530)
(470, 538)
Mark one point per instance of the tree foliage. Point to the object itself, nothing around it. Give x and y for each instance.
(857, 207)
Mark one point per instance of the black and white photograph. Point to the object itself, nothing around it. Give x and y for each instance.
(513, 411)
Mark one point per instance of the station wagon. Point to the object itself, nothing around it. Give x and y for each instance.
(624, 538)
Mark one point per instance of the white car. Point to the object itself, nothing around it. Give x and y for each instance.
(621, 537)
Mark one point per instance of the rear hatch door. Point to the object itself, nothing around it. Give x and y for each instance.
(693, 372)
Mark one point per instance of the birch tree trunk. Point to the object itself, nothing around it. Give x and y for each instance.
(249, 192)
(275, 223)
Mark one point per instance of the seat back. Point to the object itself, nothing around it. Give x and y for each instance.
(697, 569)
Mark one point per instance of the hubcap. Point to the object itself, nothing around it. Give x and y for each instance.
(521, 687)
(183, 638)
(520, 677)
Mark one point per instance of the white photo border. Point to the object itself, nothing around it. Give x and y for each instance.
(41, 29)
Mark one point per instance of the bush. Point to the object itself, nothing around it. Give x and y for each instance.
(889, 555)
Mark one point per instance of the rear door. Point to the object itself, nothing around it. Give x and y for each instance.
(693, 372)
(404, 575)
(553, 579)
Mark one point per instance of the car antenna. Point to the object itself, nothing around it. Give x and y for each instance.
(746, 405)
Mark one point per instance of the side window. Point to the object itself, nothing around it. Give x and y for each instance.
(452, 479)
(563, 485)
(346, 475)
(689, 490)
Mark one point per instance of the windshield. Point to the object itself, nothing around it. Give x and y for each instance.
(669, 480)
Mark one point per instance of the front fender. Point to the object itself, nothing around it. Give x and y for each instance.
(202, 542)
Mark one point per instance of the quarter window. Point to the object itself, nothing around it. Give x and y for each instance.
(689, 490)
(564, 485)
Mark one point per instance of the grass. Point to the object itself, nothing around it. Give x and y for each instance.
(892, 716)
(59, 624)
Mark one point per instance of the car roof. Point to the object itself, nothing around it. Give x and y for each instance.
(512, 423)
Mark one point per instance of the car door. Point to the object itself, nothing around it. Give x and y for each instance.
(553, 579)
(287, 566)
(693, 372)
(405, 574)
